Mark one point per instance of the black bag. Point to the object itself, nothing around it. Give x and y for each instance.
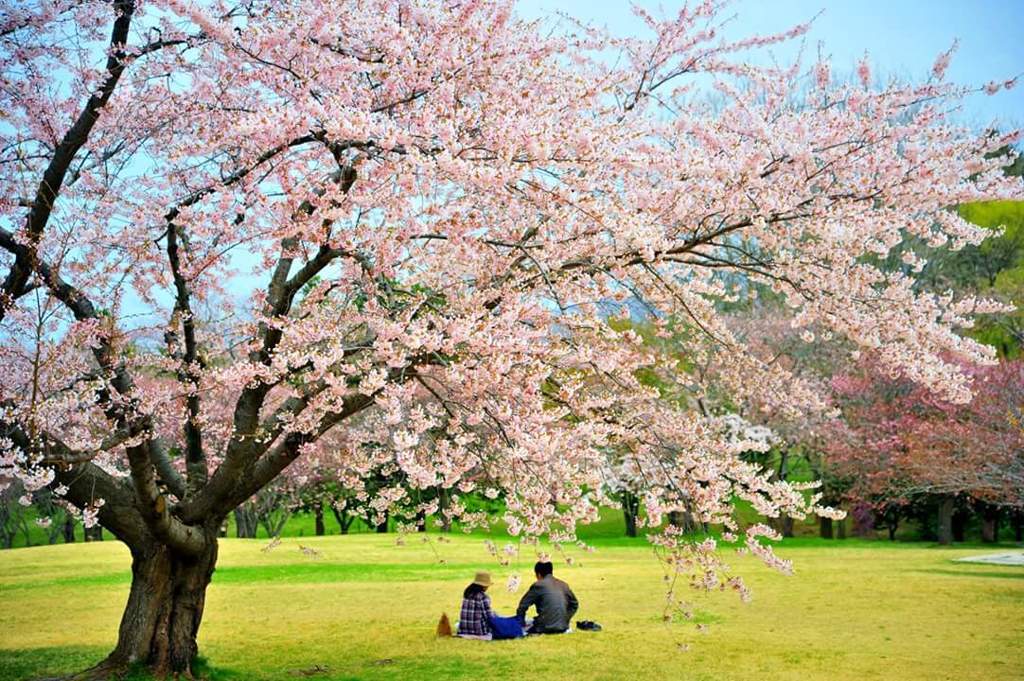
(587, 625)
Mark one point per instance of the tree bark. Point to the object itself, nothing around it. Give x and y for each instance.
(1018, 527)
(245, 523)
(945, 525)
(841, 529)
(382, 527)
(69, 529)
(273, 521)
(959, 525)
(421, 521)
(892, 522)
(8, 508)
(825, 527)
(990, 525)
(344, 519)
(94, 533)
(163, 613)
(443, 501)
(685, 521)
(318, 515)
(630, 510)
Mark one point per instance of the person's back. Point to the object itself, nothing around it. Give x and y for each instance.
(555, 602)
(475, 614)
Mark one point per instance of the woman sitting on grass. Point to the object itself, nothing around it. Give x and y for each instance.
(475, 615)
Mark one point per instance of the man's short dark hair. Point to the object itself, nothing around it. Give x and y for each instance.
(543, 568)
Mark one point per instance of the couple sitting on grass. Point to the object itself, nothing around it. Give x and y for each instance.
(553, 599)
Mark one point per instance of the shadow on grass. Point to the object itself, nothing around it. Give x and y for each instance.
(326, 572)
(49, 663)
(34, 663)
(19, 664)
(28, 664)
(319, 572)
(1011, 573)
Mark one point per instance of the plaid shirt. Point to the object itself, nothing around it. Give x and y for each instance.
(474, 618)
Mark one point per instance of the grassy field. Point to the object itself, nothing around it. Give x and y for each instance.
(367, 608)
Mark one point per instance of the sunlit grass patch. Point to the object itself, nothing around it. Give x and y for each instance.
(366, 609)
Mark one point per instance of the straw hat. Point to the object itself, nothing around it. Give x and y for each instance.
(482, 578)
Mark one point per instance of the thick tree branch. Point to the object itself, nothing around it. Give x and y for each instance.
(281, 456)
(122, 410)
(240, 174)
(53, 177)
(87, 484)
(168, 475)
(245, 445)
(191, 366)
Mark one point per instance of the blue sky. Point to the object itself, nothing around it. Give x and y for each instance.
(902, 37)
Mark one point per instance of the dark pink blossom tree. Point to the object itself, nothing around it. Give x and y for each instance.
(900, 443)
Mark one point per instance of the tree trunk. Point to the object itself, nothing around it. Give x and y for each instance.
(6, 530)
(344, 519)
(630, 510)
(785, 526)
(892, 523)
(161, 620)
(945, 527)
(630, 523)
(959, 525)
(990, 525)
(318, 515)
(685, 521)
(443, 501)
(245, 523)
(69, 529)
(382, 527)
(1018, 527)
(94, 533)
(841, 529)
(825, 527)
(421, 521)
(273, 522)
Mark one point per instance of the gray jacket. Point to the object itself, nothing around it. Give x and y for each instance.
(556, 605)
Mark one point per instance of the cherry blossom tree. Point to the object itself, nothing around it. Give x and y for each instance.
(792, 437)
(246, 226)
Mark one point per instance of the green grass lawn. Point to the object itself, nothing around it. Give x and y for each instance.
(367, 609)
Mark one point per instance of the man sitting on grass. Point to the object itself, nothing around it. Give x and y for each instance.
(554, 600)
